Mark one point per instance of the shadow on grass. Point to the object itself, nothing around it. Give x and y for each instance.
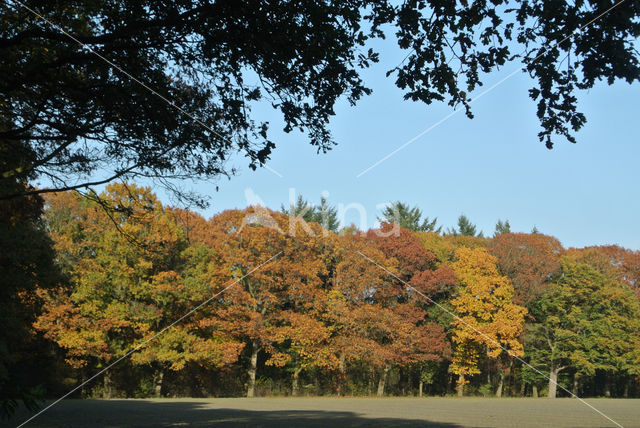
(141, 413)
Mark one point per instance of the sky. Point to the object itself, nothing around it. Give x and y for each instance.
(490, 167)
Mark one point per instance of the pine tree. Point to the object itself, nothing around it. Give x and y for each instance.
(465, 228)
(502, 227)
(408, 218)
(326, 215)
(302, 208)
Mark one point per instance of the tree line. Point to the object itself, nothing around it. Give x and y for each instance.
(290, 307)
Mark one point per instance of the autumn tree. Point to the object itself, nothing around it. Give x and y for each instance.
(486, 315)
(587, 321)
(378, 319)
(417, 265)
(254, 311)
(192, 224)
(122, 261)
(528, 260)
(439, 245)
(301, 341)
(613, 260)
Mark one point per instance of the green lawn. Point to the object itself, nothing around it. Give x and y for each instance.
(334, 412)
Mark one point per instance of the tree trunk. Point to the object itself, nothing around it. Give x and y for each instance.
(576, 385)
(342, 375)
(420, 385)
(625, 394)
(486, 349)
(523, 388)
(294, 382)
(553, 379)
(106, 383)
(500, 385)
(607, 386)
(372, 380)
(157, 383)
(510, 380)
(253, 368)
(83, 378)
(382, 381)
(460, 385)
(534, 391)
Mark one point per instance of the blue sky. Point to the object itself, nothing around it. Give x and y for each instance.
(489, 168)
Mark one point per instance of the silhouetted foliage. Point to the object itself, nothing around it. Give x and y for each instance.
(164, 90)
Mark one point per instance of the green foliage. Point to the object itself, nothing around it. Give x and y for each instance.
(324, 214)
(408, 217)
(585, 321)
(302, 208)
(327, 216)
(465, 228)
(502, 227)
(486, 390)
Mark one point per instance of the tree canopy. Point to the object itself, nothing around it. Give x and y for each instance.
(100, 91)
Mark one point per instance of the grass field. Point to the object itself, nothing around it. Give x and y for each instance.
(334, 412)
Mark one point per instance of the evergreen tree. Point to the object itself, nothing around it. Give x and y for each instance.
(326, 215)
(408, 218)
(465, 228)
(302, 208)
(502, 227)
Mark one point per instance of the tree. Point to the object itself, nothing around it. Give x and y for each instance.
(404, 246)
(327, 216)
(254, 311)
(207, 64)
(323, 214)
(303, 341)
(465, 228)
(612, 260)
(502, 227)
(302, 208)
(27, 267)
(124, 286)
(378, 320)
(528, 260)
(408, 218)
(487, 317)
(586, 321)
